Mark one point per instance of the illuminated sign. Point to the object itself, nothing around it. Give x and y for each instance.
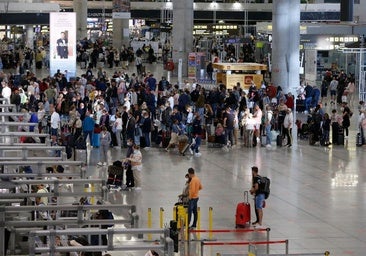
(63, 43)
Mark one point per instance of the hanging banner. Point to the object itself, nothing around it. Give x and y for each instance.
(63, 43)
(121, 9)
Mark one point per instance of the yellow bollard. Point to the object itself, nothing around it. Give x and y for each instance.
(175, 213)
(198, 235)
(161, 217)
(92, 189)
(210, 220)
(186, 225)
(149, 223)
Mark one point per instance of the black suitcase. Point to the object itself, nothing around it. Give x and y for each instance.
(115, 180)
(142, 142)
(279, 140)
(300, 105)
(359, 140)
(340, 137)
(335, 132)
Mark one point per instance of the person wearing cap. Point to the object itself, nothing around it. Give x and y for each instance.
(287, 126)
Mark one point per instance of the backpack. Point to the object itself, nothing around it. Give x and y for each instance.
(264, 186)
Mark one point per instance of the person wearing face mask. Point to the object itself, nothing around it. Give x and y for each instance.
(184, 197)
(136, 165)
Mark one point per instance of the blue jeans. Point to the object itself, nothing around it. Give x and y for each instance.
(146, 135)
(197, 144)
(229, 132)
(192, 208)
(90, 134)
(268, 134)
(308, 103)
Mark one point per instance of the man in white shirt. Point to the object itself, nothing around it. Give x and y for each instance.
(6, 92)
(287, 125)
(55, 121)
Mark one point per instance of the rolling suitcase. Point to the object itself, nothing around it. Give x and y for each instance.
(242, 216)
(263, 140)
(96, 140)
(185, 148)
(279, 140)
(340, 137)
(359, 140)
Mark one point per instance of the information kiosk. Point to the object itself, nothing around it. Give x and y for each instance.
(230, 74)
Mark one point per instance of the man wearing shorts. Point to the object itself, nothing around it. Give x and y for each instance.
(333, 90)
(258, 197)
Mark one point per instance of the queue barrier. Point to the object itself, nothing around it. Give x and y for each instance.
(211, 231)
(223, 243)
(4, 125)
(21, 153)
(103, 193)
(38, 168)
(166, 243)
(24, 226)
(327, 253)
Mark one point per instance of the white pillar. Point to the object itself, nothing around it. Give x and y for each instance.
(30, 36)
(285, 43)
(294, 44)
(120, 33)
(81, 8)
(182, 32)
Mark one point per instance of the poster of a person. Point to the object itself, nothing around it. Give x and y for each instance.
(63, 46)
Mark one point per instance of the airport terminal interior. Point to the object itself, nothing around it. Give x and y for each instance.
(316, 203)
(316, 206)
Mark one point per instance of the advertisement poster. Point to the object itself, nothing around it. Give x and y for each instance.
(63, 43)
(192, 65)
(121, 6)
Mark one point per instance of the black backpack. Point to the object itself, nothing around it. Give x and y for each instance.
(264, 186)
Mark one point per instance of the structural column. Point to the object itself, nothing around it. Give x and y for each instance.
(182, 32)
(30, 36)
(81, 8)
(120, 32)
(285, 44)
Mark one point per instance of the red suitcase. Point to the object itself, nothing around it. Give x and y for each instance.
(242, 216)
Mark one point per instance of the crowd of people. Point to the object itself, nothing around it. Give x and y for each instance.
(111, 110)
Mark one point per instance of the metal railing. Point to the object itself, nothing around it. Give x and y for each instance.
(56, 193)
(231, 243)
(21, 225)
(166, 243)
(39, 169)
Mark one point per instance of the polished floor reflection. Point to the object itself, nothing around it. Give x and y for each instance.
(317, 198)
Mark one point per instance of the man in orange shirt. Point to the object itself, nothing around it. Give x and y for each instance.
(194, 187)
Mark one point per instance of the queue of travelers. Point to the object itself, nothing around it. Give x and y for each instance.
(148, 111)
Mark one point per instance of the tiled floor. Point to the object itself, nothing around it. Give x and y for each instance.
(317, 198)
